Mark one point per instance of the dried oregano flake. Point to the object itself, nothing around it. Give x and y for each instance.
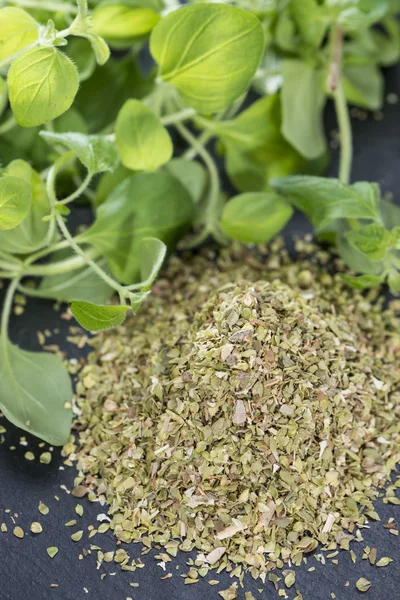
(248, 411)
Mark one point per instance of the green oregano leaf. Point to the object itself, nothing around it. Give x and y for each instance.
(99, 47)
(362, 282)
(372, 240)
(143, 142)
(324, 200)
(30, 234)
(43, 83)
(17, 31)
(303, 101)
(98, 318)
(36, 392)
(15, 201)
(120, 23)
(209, 53)
(255, 217)
(96, 152)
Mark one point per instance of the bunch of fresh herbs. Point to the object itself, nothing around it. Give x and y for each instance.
(79, 123)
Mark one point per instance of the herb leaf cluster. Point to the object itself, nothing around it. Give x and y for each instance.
(79, 123)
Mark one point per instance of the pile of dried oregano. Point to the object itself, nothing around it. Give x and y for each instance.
(250, 411)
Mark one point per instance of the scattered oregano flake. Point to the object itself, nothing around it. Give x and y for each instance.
(43, 509)
(77, 536)
(363, 584)
(19, 532)
(36, 527)
(52, 551)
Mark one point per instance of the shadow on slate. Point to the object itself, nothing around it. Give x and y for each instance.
(27, 572)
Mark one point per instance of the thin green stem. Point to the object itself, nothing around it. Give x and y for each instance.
(178, 117)
(192, 152)
(82, 9)
(7, 275)
(51, 194)
(109, 280)
(50, 186)
(62, 266)
(46, 5)
(46, 251)
(7, 307)
(211, 213)
(8, 125)
(342, 111)
(7, 266)
(79, 191)
(9, 258)
(346, 137)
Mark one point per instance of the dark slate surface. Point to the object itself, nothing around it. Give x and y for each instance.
(25, 569)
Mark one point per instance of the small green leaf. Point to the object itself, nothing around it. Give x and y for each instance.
(209, 53)
(17, 31)
(96, 152)
(325, 200)
(362, 282)
(121, 23)
(355, 260)
(372, 240)
(143, 142)
(31, 233)
(36, 392)
(15, 201)
(43, 83)
(303, 101)
(255, 217)
(98, 318)
(152, 254)
(100, 48)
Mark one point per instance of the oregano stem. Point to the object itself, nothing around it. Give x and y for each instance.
(342, 110)
(62, 266)
(79, 191)
(346, 136)
(109, 280)
(5, 317)
(213, 196)
(192, 152)
(183, 115)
